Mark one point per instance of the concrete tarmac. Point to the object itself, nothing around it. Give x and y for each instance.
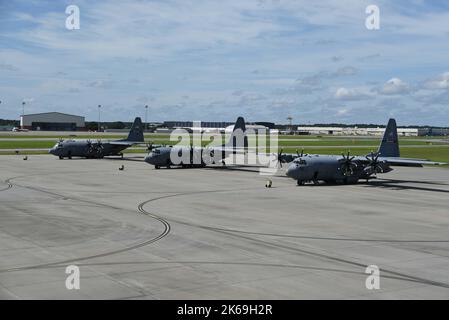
(214, 233)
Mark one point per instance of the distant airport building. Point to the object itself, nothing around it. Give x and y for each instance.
(196, 124)
(433, 131)
(212, 126)
(52, 121)
(355, 131)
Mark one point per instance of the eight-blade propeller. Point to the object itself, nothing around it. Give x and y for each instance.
(302, 154)
(347, 165)
(279, 159)
(374, 165)
(99, 146)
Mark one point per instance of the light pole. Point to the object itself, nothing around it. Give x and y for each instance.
(23, 112)
(99, 109)
(146, 117)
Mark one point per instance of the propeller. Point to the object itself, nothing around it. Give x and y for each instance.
(279, 158)
(347, 165)
(89, 145)
(302, 154)
(99, 146)
(374, 165)
(151, 146)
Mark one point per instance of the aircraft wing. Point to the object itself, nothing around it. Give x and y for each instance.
(125, 143)
(284, 157)
(404, 161)
(228, 149)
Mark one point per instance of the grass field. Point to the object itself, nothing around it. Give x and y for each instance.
(32, 142)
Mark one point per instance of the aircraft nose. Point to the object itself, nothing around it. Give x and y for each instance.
(149, 159)
(292, 171)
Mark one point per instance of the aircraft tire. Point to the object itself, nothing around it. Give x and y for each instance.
(61, 157)
(157, 167)
(300, 182)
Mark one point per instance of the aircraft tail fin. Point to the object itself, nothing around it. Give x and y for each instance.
(389, 146)
(136, 132)
(238, 138)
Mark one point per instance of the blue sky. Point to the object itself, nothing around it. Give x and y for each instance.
(216, 60)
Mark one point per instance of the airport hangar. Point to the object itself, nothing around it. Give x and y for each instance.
(52, 121)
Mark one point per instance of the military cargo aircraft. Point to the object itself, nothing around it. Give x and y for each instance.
(190, 156)
(98, 149)
(349, 169)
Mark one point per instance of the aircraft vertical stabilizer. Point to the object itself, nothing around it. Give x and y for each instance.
(238, 138)
(390, 143)
(136, 132)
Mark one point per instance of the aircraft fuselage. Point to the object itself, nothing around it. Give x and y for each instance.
(85, 148)
(185, 156)
(326, 168)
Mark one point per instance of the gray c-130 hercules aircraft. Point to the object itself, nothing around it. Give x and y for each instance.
(99, 149)
(349, 169)
(190, 157)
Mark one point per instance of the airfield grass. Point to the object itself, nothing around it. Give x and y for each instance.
(26, 144)
(30, 144)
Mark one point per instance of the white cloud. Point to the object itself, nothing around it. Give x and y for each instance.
(439, 82)
(342, 112)
(345, 71)
(8, 67)
(351, 94)
(336, 58)
(395, 86)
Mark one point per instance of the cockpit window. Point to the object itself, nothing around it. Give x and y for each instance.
(301, 161)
